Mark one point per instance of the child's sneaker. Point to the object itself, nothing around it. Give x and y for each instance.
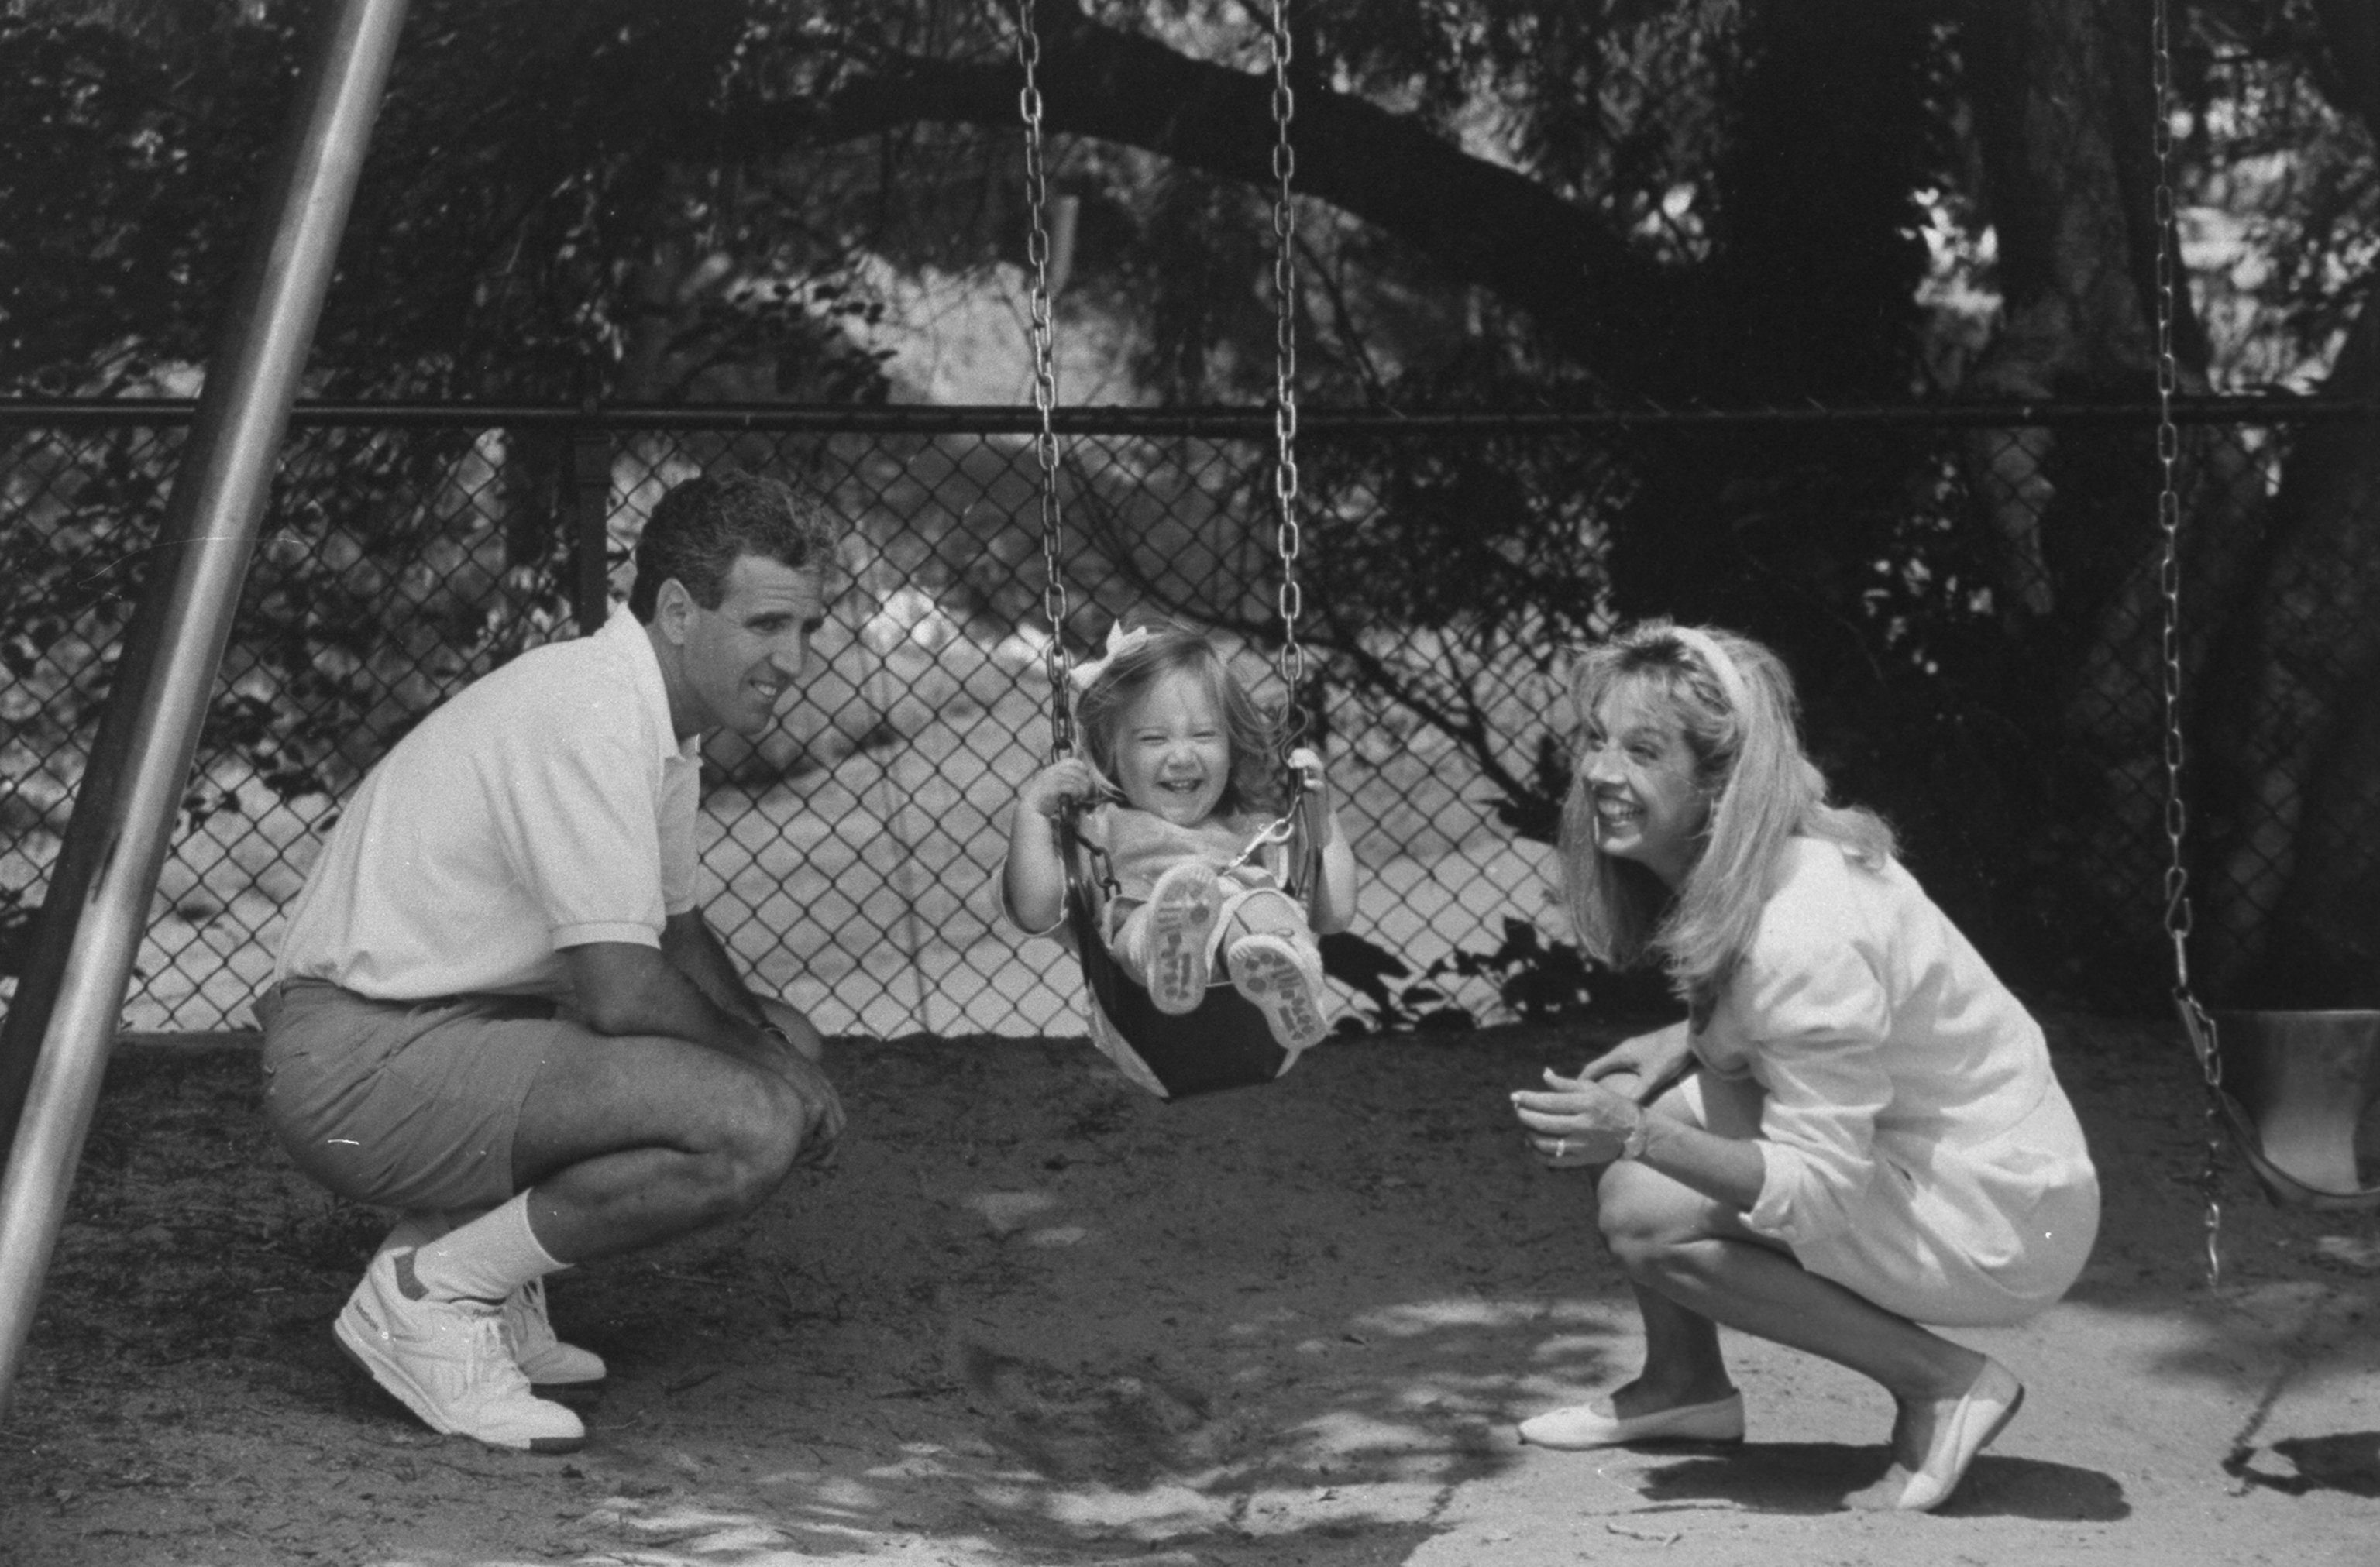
(1285, 980)
(1181, 910)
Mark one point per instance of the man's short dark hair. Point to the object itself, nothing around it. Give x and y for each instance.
(703, 526)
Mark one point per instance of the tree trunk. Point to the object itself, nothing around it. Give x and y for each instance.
(2059, 90)
(2065, 116)
(2289, 772)
(2292, 745)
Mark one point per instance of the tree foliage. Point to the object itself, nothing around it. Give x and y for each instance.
(1502, 204)
(1719, 201)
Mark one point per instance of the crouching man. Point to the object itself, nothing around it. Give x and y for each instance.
(497, 1008)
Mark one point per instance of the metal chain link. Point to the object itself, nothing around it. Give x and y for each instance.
(1288, 539)
(2196, 1023)
(1044, 385)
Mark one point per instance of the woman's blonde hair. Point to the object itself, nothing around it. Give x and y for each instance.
(1734, 704)
(1126, 674)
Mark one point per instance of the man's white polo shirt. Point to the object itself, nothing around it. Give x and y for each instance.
(547, 805)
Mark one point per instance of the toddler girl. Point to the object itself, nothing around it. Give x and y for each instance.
(1176, 762)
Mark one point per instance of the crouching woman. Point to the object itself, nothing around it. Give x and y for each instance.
(1857, 1129)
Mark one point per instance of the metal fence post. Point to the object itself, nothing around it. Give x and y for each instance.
(589, 508)
(54, 1043)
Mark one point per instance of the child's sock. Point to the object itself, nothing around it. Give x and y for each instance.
(485, 1259)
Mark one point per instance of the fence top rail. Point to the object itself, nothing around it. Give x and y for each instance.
(1230, 421)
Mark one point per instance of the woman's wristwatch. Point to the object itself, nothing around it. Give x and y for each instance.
(1633, 1146)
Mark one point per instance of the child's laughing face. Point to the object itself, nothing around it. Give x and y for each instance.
(1173, 756)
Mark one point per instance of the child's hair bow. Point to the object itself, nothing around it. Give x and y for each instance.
(1120, 641)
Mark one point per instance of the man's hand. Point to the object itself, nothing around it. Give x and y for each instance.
(799, 1059)
(822, 1114)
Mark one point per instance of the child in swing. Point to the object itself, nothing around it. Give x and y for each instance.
(1176, 776)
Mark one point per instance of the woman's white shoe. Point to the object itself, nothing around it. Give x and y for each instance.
(1583, 1425)
(1968, 1426)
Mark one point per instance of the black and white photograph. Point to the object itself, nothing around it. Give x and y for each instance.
(1189, 784)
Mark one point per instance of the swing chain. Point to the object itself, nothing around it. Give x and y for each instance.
(1287, 536)
(2200, 1026)
(1045, 382)
(1288, 539)
(2177, 875)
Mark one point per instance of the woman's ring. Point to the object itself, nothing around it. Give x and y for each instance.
(1561, 1146)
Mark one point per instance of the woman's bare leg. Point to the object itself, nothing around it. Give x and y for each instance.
(1687, 1251)
(1694, 1265)
(1683, 1364)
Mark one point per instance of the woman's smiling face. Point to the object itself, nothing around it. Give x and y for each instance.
(1172, 754)
(1639, 773)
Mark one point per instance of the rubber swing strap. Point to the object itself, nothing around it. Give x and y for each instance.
(1301, 863)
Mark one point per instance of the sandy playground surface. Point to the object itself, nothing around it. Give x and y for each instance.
(1035, 1318)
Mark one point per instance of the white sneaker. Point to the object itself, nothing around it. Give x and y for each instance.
(528, 1333)
(1285, 983)
(545, 1359)
(1181, 909)
(447, 1362)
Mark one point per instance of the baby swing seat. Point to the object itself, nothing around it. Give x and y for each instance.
(1225, 1042)
(2295, 1090)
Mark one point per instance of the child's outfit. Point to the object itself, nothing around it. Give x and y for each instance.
(1174, 900)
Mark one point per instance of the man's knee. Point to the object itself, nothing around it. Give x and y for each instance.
(758, 1141)
(760, 1138)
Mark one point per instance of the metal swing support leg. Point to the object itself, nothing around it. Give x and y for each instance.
(54, 1042)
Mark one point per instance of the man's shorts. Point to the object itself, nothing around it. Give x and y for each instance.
(408, 1105)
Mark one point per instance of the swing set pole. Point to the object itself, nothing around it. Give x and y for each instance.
(56, 1040)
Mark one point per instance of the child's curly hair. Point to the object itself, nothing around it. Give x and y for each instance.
(1101, 706)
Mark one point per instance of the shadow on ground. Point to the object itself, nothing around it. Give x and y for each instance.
(1815, 1477)
(1033, 1316)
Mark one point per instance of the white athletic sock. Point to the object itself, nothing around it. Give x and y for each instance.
(485, 1259)
(419, 1226)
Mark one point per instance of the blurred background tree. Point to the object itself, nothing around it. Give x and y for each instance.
(1537, 204)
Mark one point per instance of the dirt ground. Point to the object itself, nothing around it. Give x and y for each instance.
(1035, 1318)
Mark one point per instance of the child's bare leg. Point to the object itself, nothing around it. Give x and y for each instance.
(1274, 961)
(1267, 912)
(1128, 938)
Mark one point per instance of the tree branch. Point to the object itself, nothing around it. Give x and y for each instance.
(1481, 222)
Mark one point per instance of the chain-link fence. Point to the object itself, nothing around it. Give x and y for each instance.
(1972, 605)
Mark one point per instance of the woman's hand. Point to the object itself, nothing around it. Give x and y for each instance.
(1644, 1067)
(1574, 1121)
(1069, 778)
